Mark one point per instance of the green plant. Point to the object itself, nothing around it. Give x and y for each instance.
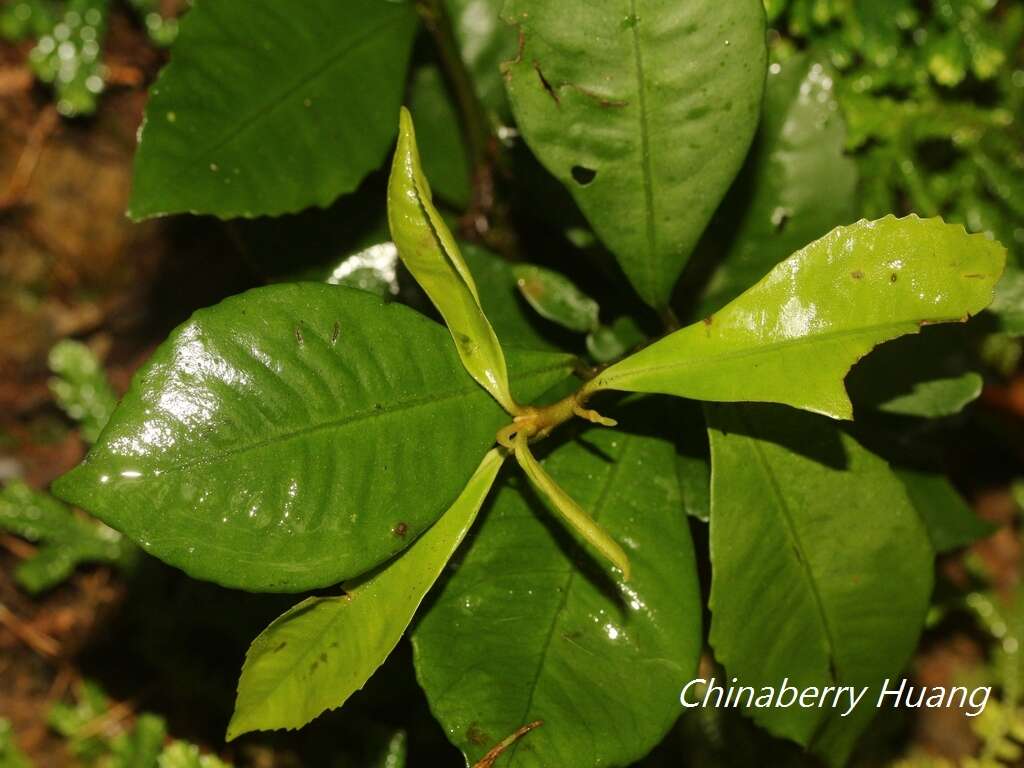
(303, 435)
(67, 539)
(69, 37)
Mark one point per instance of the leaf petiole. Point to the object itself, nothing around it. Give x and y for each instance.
(567, 508)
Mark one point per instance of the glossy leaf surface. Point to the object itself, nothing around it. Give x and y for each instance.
(323, 650)
(430, 252)
(821, 569)
(793, 337)
(531, 627)
(267, 109)
(644, 109)
(797, 184)
(272, 441)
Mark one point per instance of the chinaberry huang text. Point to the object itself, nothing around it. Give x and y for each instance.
(708, 692)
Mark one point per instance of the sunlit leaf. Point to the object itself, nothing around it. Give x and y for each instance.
(272, 441)
(793, 337)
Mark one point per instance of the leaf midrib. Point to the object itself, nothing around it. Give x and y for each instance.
(794, 536)
(597, 507)
(340, 423)
(761, 349)
(645, 152)
(337, 54)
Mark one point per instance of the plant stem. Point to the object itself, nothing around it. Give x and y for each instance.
(537, 422)
(475, 124)
(486, 219)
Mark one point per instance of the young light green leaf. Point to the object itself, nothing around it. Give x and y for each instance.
(569, 510)
(272, 441)
(431, 254)
(793, 337)
(645, 112)
(323, 650)
(525, 629)
(556, 298)
(65, 539)
(266, 109)
(81, 387)
(821, 568)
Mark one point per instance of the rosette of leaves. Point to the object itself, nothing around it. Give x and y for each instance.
(301, 436)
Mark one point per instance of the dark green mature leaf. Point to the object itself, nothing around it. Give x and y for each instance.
(821, 568)
(950, 522)
(530, 627)
(268, 108)
(272, 442)
(66, 540)
(317, 654)
(799, 183)
(645, 111)
(793, 337)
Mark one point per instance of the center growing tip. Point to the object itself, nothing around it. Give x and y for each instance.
(537, 422)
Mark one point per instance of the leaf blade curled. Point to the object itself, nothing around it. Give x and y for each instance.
(431, 254)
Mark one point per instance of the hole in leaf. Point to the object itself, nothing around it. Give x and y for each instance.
(583, 175)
